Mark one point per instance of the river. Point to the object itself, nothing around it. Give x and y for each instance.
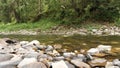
(75, 42)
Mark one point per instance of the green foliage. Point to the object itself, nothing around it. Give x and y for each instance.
(66, 11)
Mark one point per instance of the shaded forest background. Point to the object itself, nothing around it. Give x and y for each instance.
(66, 11)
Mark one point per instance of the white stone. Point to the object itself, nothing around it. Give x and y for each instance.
(105, 48)
(69, 54)
(93, 51)
(59, 64)
(110, 65)
(22, 43)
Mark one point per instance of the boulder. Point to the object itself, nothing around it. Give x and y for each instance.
(59, 64)
(79, 63)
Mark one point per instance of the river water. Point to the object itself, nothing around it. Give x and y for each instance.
(75, 42)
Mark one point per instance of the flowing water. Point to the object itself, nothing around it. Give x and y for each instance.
(75, 42)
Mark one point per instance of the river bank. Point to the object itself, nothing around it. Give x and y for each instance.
(65, 30)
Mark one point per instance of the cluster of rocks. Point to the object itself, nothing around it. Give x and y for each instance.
(25, 54)
(103, 30)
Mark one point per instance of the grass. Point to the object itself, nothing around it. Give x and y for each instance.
(43, 25)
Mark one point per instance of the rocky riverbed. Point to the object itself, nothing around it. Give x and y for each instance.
(33, 54)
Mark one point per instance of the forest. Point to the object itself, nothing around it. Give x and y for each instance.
(65, 11)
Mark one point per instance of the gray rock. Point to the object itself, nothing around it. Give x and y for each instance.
(34, 65)
(98, 62)
(49, 48)
(116, 62)
(26, 61)
(31, 55)
(79, 63)
(69, 65)
(11, 63)
(5, 57)
(69, 54)
(59, 58)
(110, 65)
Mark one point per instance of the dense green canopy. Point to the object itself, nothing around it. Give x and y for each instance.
(73, 11)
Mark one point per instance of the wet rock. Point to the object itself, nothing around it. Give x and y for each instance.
(93, 51)
(79, 63)
(104, 48)
(5, 57)
(26, 61)
(59, 64)
(34, 65)
(98, 62)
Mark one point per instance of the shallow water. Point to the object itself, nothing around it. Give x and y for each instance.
(75, 42)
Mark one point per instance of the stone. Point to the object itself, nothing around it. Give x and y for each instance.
(59, 64)
(69, 54)
(26, 61)
(11, 63)
(69, 65)
(110, 65)
(116, 62)
(79, 63)
(59, 58)
(104, 48)
(34, 65)
(98, 62)
(43, 57)
(31, 55)
(93, 51)
(5, 57)
(49, 48)
(22, 43)
(57, 46)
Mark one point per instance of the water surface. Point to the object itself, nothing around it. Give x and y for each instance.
(75, 42)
